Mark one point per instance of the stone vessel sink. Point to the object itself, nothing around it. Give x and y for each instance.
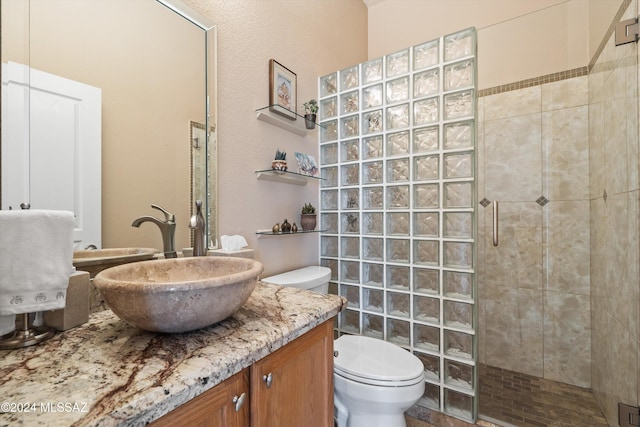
(96, 260)
(180, 294)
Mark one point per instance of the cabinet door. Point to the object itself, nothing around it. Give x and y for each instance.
(215, 407)
(294, 385)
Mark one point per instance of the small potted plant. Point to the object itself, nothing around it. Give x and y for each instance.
(310, 113)
(308, 217)
(280, 161)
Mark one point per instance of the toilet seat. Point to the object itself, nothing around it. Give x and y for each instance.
(376, 362)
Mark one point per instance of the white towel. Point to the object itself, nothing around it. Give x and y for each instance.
(36, 260)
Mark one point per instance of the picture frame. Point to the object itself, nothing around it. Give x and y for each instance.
(283, 90)
(307, 165)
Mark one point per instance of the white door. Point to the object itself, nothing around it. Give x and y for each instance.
(51, 147)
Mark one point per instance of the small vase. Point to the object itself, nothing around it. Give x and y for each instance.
(310, 121)
(279, 165)
(308, 222)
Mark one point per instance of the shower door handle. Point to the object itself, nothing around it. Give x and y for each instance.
(495, 223)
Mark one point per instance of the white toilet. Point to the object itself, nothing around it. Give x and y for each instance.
(375, 381)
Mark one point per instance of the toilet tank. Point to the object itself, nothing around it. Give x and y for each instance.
(314, 278)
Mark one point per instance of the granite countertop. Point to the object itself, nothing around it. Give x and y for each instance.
(107, 373)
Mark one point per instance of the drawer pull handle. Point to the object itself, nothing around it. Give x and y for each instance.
(239, 401)
(268, 379)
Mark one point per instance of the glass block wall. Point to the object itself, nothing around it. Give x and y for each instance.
(397, 152)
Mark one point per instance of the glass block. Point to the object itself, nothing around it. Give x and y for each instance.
(398, 223)
(426, 55)
(398, 170)
(349, 102)
(426, 280)
(372, 274)
(398, 143)
(373, 197)
(350, 321)
(458, 225)
(425, 168)
(398, 197)
(350, 174)
(372, 97)
(458, 405)
(399, 332)
(459, 45)
(426, 309)
(350, 272)
(398, 277)
(330, 176)
(397, 117)
(352, 294)
(328, 108)
(425, 196)
(372, 222)
(372, 71)
(459, 135)
(426, 83)
(431, 365)
(329, 154)
(373, 326)
(458, 105)
(329, 131)
(372, 147)
(350, 198)
(328, 84)
(350, 247)
(350, 150)
(373, 300)
(458, 165)
(397, 63)
(458, 285)
(425, 139)
(458, 344)
(331, 264)
(372, 248)
(458, 314)
(329, 246)
(329, 222)
(397, 90)
(372, 122)
(349, 78)
(349, 127)
(398, 250)
(458, 195)
(426, 337)
(425, 224)
(425, 252)
(372, 173)
(458, 374)
(398, 304)
(459, 75)
(431, 396)
(350, 222)
(425, 111)
(458, 254)
(329, 199)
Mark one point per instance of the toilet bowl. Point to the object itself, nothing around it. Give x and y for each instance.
(375, 381)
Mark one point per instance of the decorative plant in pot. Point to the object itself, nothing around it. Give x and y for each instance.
(310, 113)
(280, 161)
(308, 217)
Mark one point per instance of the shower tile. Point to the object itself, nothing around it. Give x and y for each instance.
(372, 71)
(372, 325)
(399, 332)
(372, 122)
(426, 281)
(329, 222)
(431, 396)
(398, 277)
(459, 75)
(459, 405)
(350, 247)
(426, 54)
(513, 103)
(458, 195)
(349, 78)
(458, 315)
(373, 248)
(565, 93)
(373, 274)
(373, 222)
(329, 199)
(350, 222)
(351, 196)
(397, 63)
(458, 285)
(398, 223)
(459, 375)
(372, 173)
(398, 250)
(426, 196)
(431, 365)
(459, 45)
(615, 137)
(373, 197)
(349, 127)
(426, 252)
(372, 97)
(398, 197)
(350, 271)
(352, 294)
(398, 305)
(350, 174)
(328, 84)
(458, 254)
(397, 90)
(329, 154)
(425, 139)
(398, 170)
(330, 176)
(425, 168)
(425, 111)
(426, 309)
(425, 224)
(458, 105)
(350, 321)
(426, 337)
(349, 102)
(458, 344)
(372, 147)
(426, 83)
(332, 264)
(329, 246)
(350, 150)
(458, 165)
(459, 135)
(398, 143)
(397, 117)
(329, 131)
(458, 225)
(328, 108)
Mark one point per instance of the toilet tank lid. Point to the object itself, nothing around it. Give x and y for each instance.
(303, 278)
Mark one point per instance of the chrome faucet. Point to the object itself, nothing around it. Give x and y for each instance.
(197, 225)
(167, 229)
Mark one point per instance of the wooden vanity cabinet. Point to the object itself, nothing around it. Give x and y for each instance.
(291, 387)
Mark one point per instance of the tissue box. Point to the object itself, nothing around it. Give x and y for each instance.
(76, 311)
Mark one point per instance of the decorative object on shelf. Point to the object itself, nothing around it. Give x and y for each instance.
(276, 228)
(294, 228)
(307, 165)
(280, 161)
(285, 227)
(308, 217)
(282, 90)
(310, 113)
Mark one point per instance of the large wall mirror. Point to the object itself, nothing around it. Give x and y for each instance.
(153, 64)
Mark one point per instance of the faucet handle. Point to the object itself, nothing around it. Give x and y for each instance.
(168, 216)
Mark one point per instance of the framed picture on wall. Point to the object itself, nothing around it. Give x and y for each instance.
(282, 90)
